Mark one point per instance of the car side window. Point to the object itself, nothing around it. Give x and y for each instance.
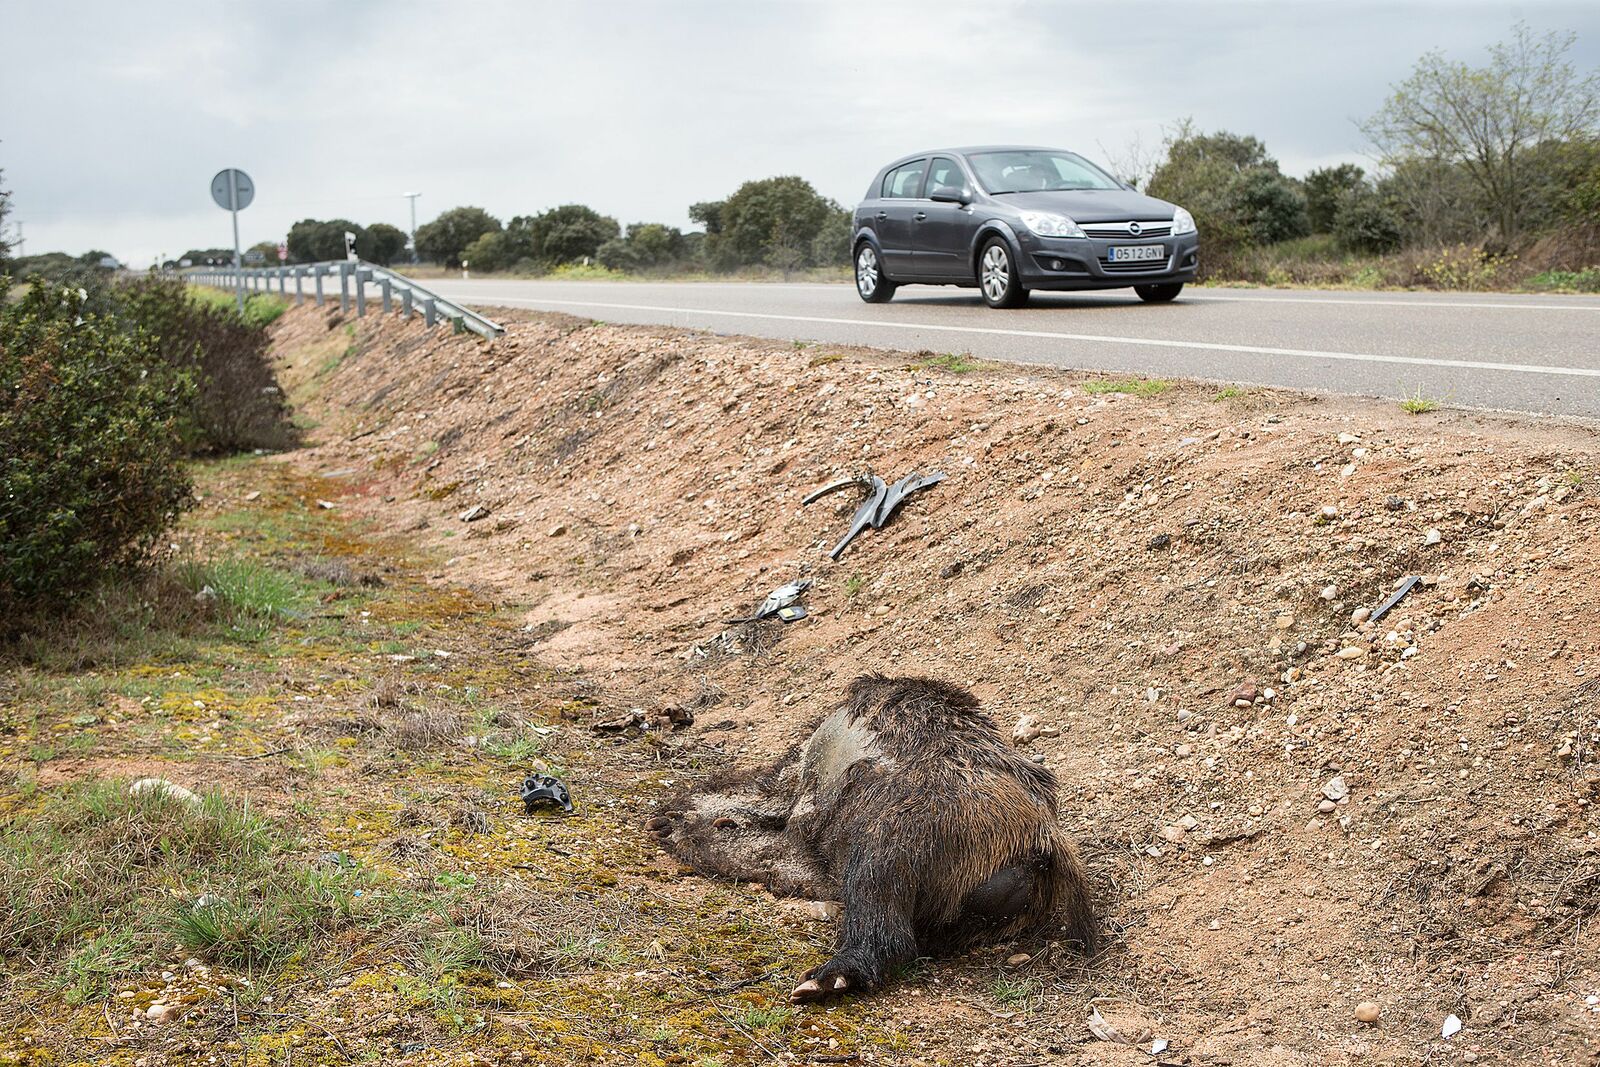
(905, 181)
(944, 171)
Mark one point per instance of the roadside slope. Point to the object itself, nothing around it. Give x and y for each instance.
(1135, 569)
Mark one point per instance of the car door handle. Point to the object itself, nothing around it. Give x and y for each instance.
(882, 215)
(921, 215)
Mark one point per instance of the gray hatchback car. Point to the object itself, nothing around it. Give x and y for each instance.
(1010, 219)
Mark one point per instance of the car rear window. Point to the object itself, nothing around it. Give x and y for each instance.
(905, 181)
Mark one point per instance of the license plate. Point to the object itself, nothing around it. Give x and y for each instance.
(1135, 253)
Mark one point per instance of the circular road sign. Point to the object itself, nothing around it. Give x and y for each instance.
(240, 183)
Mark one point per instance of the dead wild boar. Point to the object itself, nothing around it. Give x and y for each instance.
(905, 804)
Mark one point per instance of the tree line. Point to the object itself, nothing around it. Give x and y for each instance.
(1489, 156)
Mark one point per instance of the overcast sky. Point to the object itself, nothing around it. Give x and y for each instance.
(115, 115)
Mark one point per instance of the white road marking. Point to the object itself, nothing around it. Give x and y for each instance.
(1048, 335)
(1405, 303)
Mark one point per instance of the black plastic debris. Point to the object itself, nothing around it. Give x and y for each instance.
(880, 503)
(777, 600)
(542, 789)
(792, 613)
(1394, 598)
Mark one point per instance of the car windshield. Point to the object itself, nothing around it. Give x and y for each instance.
(1032, 172)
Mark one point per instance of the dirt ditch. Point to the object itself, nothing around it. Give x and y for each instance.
(1291, 808)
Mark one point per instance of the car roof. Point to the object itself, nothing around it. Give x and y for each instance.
(970, 150)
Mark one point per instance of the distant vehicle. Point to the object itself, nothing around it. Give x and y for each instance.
(1010, 219)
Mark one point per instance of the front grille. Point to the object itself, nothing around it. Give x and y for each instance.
(1119, 230)
(1149, 266)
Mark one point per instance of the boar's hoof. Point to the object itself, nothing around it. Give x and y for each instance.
(832, 979)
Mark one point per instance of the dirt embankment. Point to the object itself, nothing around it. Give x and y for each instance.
(1290, 810)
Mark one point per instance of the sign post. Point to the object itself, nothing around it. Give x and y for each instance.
(233, 190)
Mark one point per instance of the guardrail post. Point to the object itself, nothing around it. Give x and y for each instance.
(362, 277)
(405, 303)
(344, 287)
(316, 277)
(428, 315)
(299, 287)
(384, 285)
(283, 281)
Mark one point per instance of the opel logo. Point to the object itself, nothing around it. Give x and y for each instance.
(1135, 229)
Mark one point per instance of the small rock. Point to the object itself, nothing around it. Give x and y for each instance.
(474, 513)
(1285, 622)
(254, 494)
(1025, 731)
(1351, 652)
(557, 530)
(1329, 513)
(1360, 615)
(1336, 788)
(206, 595)
(161, 1013)
(1326, 806)
(1432, 537)
(325, 505)
(1017, 959)
(1329, 592)
(1184, 750)
(164, 788)
(1158, 542)
(1174, 833)
(1244, 695)
(1368, 1012)
(1349, 438)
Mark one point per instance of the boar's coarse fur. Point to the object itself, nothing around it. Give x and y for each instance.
(906, 804)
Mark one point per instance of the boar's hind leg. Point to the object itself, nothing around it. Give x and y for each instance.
(877, 933)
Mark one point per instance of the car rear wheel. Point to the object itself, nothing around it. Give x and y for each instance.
(1159, 294)
(871, 283)
(997, 276)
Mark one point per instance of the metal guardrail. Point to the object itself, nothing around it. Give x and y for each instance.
(354, 277)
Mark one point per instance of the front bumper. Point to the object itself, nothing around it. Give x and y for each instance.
(1084, 263)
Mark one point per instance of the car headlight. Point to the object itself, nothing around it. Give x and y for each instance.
(1182, 222)
(1049, 224)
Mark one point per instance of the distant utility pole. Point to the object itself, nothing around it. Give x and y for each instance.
(413, 198)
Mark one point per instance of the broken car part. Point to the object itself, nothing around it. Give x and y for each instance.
(543, 789)
(777, 600)
(1394, 598)
(882, 500)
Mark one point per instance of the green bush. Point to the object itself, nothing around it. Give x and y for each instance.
(444, 239)
(238, 405)
(774, 222)
(260, 309)
(1365, 222)
(91, 448)
(1325, 188)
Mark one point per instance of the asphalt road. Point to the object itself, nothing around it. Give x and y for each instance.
(1537, 354)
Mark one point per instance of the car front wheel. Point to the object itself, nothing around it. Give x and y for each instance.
(1158, 294)
(997, 276)
(871, 284)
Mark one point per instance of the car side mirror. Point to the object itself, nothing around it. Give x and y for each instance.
(950, 194)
